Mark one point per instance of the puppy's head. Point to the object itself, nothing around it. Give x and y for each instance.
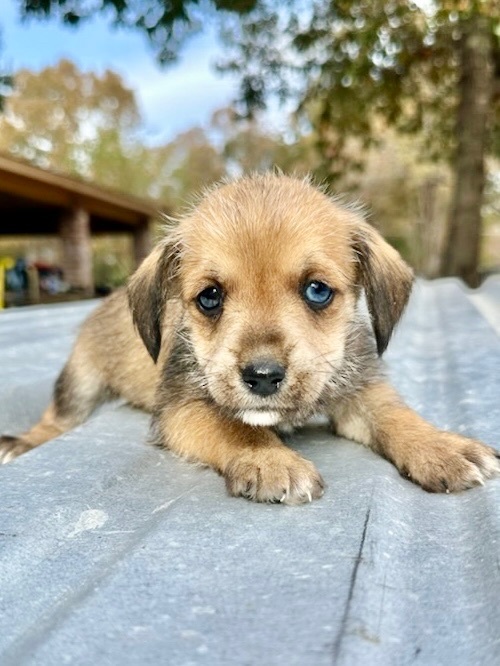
(269, 270)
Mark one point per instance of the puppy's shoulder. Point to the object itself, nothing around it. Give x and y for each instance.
(112, 314)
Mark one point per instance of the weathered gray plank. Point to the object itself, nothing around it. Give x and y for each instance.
(113, 552)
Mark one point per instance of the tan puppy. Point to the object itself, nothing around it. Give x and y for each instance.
(244, 321)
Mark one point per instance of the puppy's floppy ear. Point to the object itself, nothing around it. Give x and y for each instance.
(149, 289)
(386, 278)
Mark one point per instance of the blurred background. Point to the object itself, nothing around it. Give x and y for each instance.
(115, 110)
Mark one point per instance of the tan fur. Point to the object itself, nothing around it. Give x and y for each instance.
(259, 240)
(438, 461)
(254, 462)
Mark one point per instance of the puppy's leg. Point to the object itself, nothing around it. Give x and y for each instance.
(78, 390)
(438, 461)
(253, 461)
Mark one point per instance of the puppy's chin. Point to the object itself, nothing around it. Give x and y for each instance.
(257, 417)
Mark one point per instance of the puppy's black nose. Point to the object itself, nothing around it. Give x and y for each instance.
(263, 377)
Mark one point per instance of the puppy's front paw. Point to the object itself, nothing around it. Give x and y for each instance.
(450, 463)
(274, 475)
(11, 447)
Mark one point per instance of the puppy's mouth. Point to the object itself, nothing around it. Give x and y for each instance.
(259, 417)
(290, 403)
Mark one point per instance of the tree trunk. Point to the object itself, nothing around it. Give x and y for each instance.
(461, 250)
(429, 227)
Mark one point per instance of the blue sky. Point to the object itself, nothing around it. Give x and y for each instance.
(171, 99)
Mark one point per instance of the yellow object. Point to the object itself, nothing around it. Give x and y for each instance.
(6, 263)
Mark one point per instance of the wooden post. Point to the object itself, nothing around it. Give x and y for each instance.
(142, 241)
(74, 231)
(33, 285)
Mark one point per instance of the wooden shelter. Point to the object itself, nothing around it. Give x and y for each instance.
(35, 201)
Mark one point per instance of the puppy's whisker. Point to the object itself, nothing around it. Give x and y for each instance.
(323, 355)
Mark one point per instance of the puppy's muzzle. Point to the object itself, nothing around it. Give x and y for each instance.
(263, 377)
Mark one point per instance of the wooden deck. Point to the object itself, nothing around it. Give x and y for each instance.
(113, 552)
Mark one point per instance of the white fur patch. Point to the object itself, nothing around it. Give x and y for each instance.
(255, 417)
(355, 427)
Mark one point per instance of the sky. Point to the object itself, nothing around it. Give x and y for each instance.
(171, 99)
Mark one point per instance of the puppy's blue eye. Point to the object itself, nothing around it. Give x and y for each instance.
(317, 295)
(209, 300)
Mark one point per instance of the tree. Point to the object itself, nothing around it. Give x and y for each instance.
(55, 116)
(247, 145)
(348, 63)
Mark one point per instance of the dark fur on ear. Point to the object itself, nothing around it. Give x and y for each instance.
(386, 279)
(149, 289)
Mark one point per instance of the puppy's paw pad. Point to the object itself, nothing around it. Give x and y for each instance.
(274, 476)
(453, 463)
(12, 447)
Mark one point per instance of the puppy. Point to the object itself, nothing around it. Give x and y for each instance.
(244, 321)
